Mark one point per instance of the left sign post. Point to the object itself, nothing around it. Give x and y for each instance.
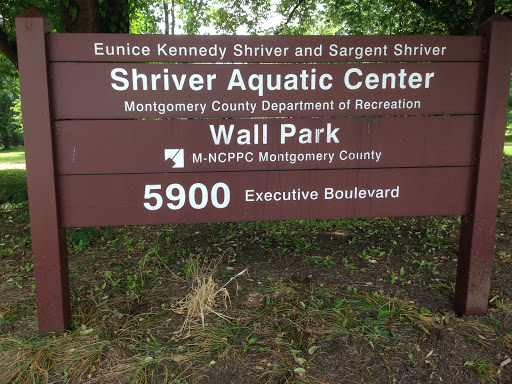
(48, 238)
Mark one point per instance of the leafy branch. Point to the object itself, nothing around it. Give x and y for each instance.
(290, 16)
(8, 48)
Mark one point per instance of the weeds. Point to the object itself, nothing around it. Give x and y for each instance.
(205, 295)
(81, 238)
(482, 367)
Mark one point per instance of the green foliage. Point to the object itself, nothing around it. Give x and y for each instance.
(149, 16)
(146, 17)
(483, 367)
(228, 16)
(509, 113)
(80, 238)
(342, 17)
(115, 16)
(11, 129)
(192, 14)
(380, 17)
(10, 9)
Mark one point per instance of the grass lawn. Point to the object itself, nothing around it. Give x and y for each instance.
(13, 186)
(14, 155)
(13, 179)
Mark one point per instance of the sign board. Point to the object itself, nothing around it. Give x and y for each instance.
(127, 129)
(121, 91)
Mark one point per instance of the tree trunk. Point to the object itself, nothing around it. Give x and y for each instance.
(81, 16)
(166, 16)
(484, 10)
(8, 48)
(4, 138)
(91, 16)
(173, 18)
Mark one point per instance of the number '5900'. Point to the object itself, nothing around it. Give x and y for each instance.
(198, 196)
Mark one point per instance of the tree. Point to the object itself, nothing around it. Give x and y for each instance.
(226, 16)
(11, 131)
(454, 17)
(104, 16)
(66, 16)
(88, 16)
(9, 9)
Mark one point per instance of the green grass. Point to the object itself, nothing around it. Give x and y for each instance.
(13, 182)
(14, 155)
(13, 186)
(509, 122)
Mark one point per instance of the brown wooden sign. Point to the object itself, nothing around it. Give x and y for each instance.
(126, 129)
(263, 49)
(121, 91)
(91, 200)
(112, 147)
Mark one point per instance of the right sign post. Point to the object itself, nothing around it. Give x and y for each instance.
(478, 228)
(160, 129)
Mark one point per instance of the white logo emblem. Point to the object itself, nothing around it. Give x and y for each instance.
(176, 155)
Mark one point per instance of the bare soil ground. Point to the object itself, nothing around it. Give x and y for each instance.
(337, 301)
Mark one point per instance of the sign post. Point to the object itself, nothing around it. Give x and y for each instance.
(241, 128)
(476, 247)
(49, 248)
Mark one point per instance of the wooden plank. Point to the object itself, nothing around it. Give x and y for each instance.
(89, 200)
(122, 91)
(141, 146)
(474, 267)
(282, 49)
(48, 239)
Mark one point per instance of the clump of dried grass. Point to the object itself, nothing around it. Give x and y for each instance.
(205, 296)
